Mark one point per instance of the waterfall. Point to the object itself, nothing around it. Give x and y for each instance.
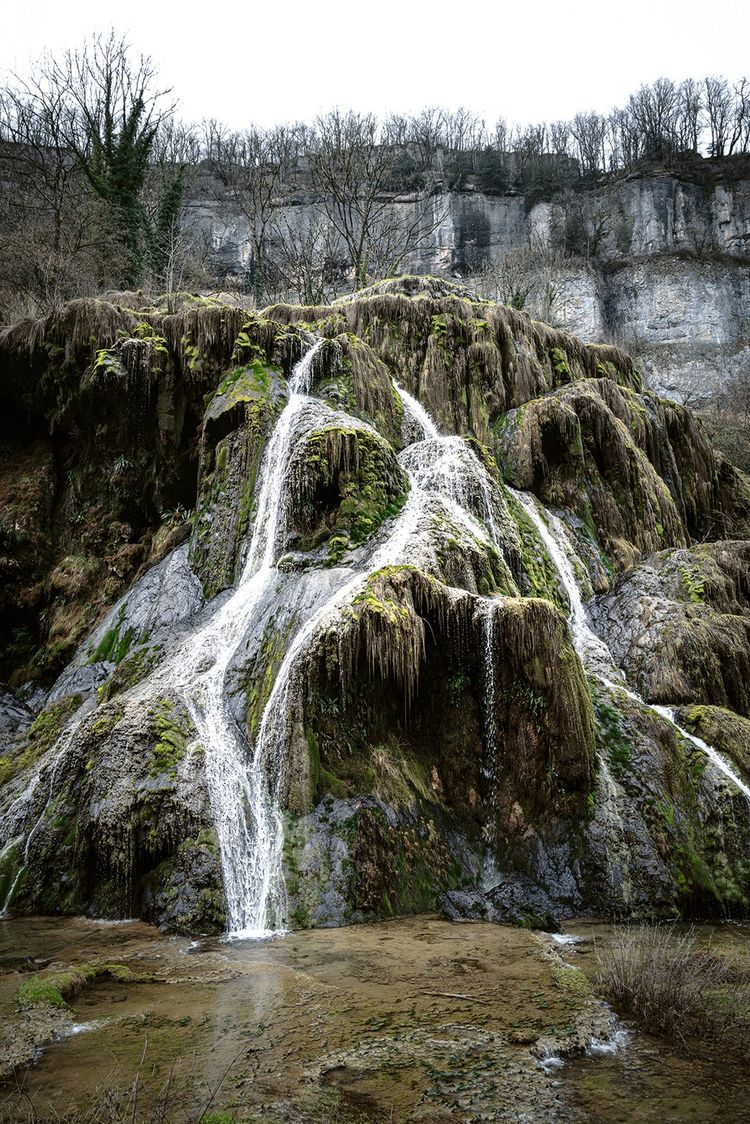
(245, 790)
(247, 820)
(415, 415)
(430, 465)
(594, 653)
(722, 765)
(487, 616)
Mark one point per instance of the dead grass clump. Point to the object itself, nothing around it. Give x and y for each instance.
(675, 987)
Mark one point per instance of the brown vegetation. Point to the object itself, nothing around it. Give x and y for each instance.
(675, 987)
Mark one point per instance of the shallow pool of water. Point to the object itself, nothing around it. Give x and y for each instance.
(415, 1019)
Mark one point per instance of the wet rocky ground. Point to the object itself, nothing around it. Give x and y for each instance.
(411, 1020)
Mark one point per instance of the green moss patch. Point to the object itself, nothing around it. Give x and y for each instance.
(346, 483)
(55, 988)
(43, 733)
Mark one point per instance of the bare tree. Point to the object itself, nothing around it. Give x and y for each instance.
(305, 257)
(55, 239)
(530, 278)
(689, 115)
(252, 168)
(589, 132)
(428, 134)
(653, 110)
(351, 174)
(719, 110)
(739, 140)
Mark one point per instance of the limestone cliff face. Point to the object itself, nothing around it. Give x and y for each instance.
(660, 264)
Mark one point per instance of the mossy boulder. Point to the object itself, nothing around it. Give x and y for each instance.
(352, 378)
(398, 702)
(573, 451)
(679, 625)
(236, 425)
(637, 469)
(663, 839)
(345, 482)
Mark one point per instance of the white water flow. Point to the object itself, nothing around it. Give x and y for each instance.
(594, 653)
(244, 815)
(430, 464)
(416, 415)
(245, 789)
(449, 468)
(489, 619)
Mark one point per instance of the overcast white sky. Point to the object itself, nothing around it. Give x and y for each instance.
(283, 61)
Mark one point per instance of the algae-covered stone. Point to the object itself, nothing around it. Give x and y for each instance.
(679, 625)
(345, 482)
(237, 423)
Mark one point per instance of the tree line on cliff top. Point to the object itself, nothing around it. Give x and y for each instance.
(97, 169)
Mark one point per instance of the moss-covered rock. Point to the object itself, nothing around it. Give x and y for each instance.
(120, 810)
(679, 625)
(345, 482)
(468, 361)
(662, 839)
(400, 706)
(352, 378)
(637, 469)
(238, 420)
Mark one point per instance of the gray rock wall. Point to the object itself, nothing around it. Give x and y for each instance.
(664, 268)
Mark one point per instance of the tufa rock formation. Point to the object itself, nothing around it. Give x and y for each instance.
(280, 649)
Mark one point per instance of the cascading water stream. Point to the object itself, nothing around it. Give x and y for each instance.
(424, 463)
(245, 793)
(15, 814)
(593, 652)
(415, 412)
(243, 811)
(490, 678)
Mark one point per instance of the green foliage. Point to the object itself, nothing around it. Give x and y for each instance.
(457, 684)
(112, 647)
(693, 583)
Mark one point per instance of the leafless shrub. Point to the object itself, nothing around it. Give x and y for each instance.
(675, 987)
